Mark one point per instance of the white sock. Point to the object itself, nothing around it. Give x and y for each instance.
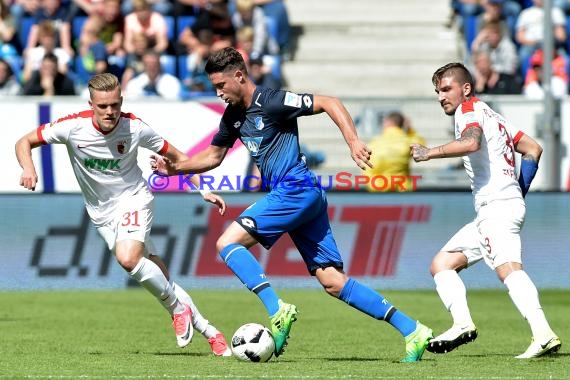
(453, 294)
(200, 323)
(524, 294)
(149, 275)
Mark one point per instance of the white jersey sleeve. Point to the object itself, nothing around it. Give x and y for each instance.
(491, 169)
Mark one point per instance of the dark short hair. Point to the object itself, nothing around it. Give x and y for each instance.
(457, 71)
(226, 59)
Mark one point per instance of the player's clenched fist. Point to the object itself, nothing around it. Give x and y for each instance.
(419, 152)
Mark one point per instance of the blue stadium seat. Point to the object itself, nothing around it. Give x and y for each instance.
(170, 24)
(76, 27)
(168, 64)
(182, 66)
(24, 30)
(182, 22)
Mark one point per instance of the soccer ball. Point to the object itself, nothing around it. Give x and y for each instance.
(253, 342)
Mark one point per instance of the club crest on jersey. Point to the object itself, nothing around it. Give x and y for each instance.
(122, 146)
(259, 123)
(292, 100)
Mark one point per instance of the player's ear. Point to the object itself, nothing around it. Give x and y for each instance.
(239, 76)
(467, 89)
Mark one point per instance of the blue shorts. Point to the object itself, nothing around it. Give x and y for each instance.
(301, 212)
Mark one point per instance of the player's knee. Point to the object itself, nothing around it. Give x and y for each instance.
(332, 281)
(127, 262)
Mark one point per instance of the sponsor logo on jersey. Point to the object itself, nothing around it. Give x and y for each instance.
(292, 100)
(237, 124)
(259, 123)
(101, 164)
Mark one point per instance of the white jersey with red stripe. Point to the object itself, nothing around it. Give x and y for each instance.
(104, 163)
(491, 169)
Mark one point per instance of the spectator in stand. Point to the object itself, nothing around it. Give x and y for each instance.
(153, 82)
(134, 63)
(490, 81)
(47, 35)
(530, 29)
(494, 11)
(144, 19)
(83, 8)
(91, 49)
(277, 11)
(533, 82)
(112, 33)
(197, 79)
(188, 7)
(48, 81)
(244, 42)
(20, 9)
(215, 22)
(9, 85)
(501, 48)
(261, 74)
(391, 154)
(7, 29)
(247, 14)
(54, 11)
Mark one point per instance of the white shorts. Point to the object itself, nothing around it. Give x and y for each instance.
(494, 235)
(133, 221)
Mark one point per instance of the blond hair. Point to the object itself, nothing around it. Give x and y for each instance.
(102, 82)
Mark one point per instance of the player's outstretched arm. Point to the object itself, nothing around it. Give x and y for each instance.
(167, 164)
(24, 147)
(469, 142)
(338, 113)
(201, 162)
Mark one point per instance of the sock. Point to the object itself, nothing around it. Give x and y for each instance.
(453, 294)
(250, 273)
(524, 294)
(375, 305)
(149, 275)
(201, 324)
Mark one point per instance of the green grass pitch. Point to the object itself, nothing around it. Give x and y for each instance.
(127, 334)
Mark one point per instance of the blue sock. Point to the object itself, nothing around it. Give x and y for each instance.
(250, 273)
(375, 305)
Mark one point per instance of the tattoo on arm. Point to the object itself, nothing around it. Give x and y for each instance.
(470, 135)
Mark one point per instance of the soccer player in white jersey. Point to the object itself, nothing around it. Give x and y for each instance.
(487, 143)
(102, 144)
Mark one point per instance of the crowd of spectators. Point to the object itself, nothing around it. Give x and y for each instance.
(504, 44)
(155, 47)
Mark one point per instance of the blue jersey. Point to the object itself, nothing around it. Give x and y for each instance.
(269, 130)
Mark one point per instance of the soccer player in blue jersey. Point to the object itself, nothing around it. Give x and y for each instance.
(265, 120)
